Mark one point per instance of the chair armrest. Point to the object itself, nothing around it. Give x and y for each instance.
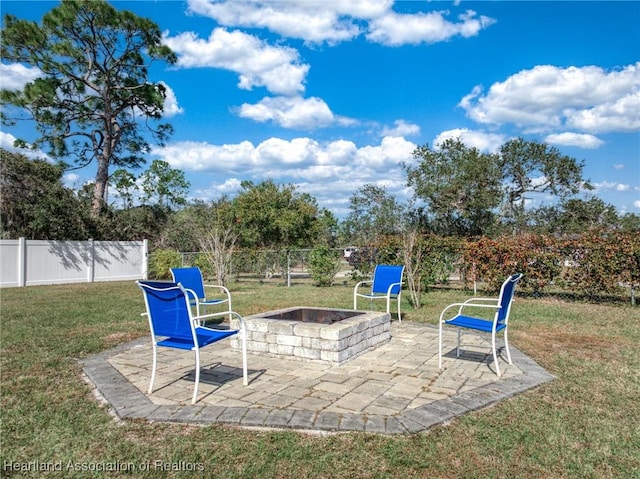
(392, 285)
(366, 281)
(472, 300)
(204, 317)
(466, 304)
(220, 287)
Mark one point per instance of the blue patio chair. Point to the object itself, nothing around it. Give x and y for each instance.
(386, 284)
(173, 325)
(500, 322)
(191, 278)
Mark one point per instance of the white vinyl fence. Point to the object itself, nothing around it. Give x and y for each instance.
(34, 262)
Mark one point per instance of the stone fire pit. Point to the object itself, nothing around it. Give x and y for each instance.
(316, 334)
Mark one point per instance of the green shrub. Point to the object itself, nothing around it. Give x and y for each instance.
(323, 264)
(161, 262)
(201, 261)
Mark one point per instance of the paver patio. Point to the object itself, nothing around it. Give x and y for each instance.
(396, 388)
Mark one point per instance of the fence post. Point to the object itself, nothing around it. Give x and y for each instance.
(145, 259)
(22, 261)
(288, 269)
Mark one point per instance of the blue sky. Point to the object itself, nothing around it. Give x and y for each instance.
(331, 95)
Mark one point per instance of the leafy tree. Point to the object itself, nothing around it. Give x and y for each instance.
(464, 190)
(575, 216)
(124, 182)
(270, 216)
(178, 233)
(217, 234)
(374, 214)
(93, 99)
(534, 167)
(460, 186)
(630, 222)
(329, 227)
(36, 205)
(133, 224)
(164, 184)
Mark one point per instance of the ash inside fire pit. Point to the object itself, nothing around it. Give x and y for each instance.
(312, 315)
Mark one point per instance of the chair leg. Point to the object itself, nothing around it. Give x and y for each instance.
(506, 345)
(153, 369)
(245, 378)
(440, 345)
(458, 347)
(195, 389)
(493, 350)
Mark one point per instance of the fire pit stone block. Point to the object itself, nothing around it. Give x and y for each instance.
(316, 334)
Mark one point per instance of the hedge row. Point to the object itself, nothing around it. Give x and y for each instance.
(590, 264)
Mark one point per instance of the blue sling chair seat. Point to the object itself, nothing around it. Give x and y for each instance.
(386, 284)
(173, 325)
(500, 322)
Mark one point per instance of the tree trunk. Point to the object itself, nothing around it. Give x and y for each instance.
(100, 188)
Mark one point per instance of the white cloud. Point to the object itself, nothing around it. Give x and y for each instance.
(337, 21)
(620, 114)
(283, 152)
(618, 166)
(293, 112)
(341, 166)
(589, 99)
(401, 128)
(73, 181)
(580, 140)
(608, 185)
(487, 142)
(171, 107)
(636, 204)
(230, 187)
(395, 29)
(311, 21)
(259, 65)
(15, 76)
(7, 141)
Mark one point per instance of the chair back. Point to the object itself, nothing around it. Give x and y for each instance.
(167, 309)
(506, 297)
(384, 275)
(190, 278)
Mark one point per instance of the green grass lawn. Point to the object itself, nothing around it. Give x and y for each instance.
(583, 425)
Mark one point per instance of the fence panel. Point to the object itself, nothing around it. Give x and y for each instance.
(119, 260)
(11, 268)
(38, 262)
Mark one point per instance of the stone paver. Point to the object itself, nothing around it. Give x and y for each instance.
(395, 389)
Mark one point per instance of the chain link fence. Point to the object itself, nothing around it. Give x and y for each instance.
(448, 271)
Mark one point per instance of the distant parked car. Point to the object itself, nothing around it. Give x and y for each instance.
(349, 250)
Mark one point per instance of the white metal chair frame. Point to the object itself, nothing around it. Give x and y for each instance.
(502, 305)
(196, 325)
